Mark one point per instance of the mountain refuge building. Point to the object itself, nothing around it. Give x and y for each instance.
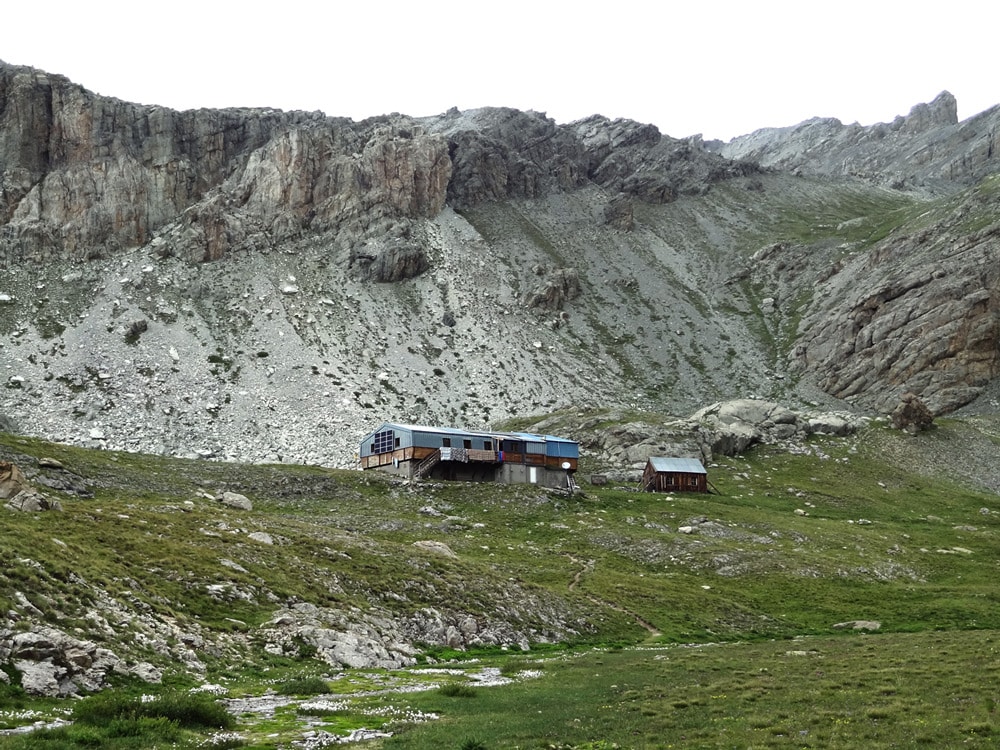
(417, 451)
(674, 475)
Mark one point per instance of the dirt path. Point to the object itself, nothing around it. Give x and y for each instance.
(589, 566)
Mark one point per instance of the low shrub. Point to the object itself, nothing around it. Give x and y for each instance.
(304, 686)
(516, 666)
(457, 690)
(191, 711)
(157, 728)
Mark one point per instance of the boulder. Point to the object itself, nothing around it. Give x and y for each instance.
(12, 480)
(858, 625)
(620, 213)
(734, 426)
(832, 424)
(911, 415)
(438, 548)
(236, 500)
(32, 501)
(559, 286)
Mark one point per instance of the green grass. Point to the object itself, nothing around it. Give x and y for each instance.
(690, 640)
(903, 690)
(119, 720)
(853, 214)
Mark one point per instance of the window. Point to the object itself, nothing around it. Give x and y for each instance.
(383, 442)
(671, 480)
(467, 444)
(446, 442)
(693, 480)
(487, 445)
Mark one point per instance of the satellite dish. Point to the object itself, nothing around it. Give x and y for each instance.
(566, 464)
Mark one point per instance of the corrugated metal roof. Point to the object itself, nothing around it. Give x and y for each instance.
(526, 436)
(679, 465)
(533, 436)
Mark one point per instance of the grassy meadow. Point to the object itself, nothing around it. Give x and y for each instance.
(701, 621)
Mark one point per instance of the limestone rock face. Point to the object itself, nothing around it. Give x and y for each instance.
(635, 159)
(327, 174)
(926, 322)
(924, 149)
(943, 111)
(85, 175)
(500, 153)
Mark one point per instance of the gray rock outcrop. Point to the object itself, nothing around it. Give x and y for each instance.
(620, 213)
(20, 494)
(32, 501)
(56, 664)
(926, 322)
(926, 149)
(722, 429)
(556, 287)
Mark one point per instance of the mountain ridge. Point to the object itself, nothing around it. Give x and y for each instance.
(928, 149)
(260, 285)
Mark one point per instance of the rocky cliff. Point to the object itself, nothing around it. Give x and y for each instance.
(928, 149)
(266, 285)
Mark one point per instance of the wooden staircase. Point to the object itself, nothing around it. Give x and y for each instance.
(425, 466)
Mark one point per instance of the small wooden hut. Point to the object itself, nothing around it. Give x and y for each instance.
(674, 475)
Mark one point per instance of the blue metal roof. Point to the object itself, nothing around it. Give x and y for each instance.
(678, 465)
(525, 436)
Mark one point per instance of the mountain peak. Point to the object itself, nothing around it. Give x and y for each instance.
(942, 111)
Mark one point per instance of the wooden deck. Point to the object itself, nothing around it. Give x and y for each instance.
(471, 456)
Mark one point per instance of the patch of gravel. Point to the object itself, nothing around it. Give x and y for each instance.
(966, 449)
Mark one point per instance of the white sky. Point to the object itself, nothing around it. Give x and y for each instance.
(717, 67)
